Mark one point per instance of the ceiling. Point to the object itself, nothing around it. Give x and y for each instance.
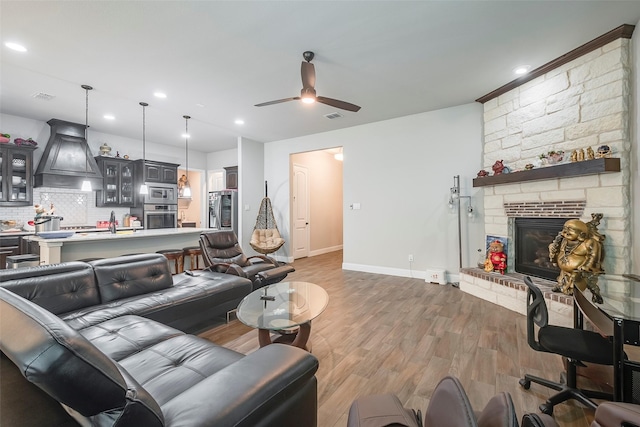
(216, 59)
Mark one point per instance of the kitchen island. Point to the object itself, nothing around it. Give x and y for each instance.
(106, 245)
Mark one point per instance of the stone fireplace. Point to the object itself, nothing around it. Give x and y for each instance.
(567, 105)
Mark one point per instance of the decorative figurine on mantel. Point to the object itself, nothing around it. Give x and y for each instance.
(604, 151)
(577, 251)
(500, 168)
(496, 259)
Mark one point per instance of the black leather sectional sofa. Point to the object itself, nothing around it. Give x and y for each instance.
(85, 293)
(104, 339)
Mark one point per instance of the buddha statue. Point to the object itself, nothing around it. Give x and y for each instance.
(577, 251)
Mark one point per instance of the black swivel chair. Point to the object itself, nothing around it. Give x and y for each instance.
(222, 253)
(576, 345)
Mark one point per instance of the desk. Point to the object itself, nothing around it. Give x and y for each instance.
(618, 317)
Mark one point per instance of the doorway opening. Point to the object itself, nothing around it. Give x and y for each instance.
(316, 202)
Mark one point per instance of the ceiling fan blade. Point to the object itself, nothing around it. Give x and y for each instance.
(338, 104)
(278, 101)
(308, 72)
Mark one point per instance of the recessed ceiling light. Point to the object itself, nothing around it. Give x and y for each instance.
(15, 46)
(522, 69)
(109, 117)
(160, 95)
(239, 122)
(186, 135)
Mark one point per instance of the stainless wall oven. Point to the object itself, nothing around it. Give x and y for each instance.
(160, 216)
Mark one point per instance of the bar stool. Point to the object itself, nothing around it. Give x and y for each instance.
(194, 253)
(174, 255)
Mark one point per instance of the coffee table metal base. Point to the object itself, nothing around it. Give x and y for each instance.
(300, 340)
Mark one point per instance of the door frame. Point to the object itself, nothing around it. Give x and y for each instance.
(295, 166)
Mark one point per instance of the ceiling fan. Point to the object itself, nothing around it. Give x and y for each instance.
(308, 92)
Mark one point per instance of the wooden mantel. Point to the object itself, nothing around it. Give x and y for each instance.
(587, 167)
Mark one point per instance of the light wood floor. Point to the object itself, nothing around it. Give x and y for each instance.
(384, 334)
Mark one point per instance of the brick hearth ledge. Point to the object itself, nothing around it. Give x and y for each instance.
(509, 291)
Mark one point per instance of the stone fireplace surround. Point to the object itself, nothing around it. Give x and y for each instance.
(578, 104)
(509, 290)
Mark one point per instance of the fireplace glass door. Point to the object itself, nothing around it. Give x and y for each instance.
(532, 237)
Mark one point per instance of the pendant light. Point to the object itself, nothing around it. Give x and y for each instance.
(186, 192)
(86, 184)
(143, 187)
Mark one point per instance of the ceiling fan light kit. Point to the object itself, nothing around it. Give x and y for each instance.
(308, 92)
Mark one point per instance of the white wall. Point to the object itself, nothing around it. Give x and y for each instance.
(217, 161)
(635, 151)
(400, 172)
(251, 186)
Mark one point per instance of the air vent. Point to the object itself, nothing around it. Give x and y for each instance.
(43, 96)
(332, 116)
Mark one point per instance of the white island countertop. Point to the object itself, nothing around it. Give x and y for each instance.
(84, 245)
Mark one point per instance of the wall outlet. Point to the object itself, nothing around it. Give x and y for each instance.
(410, 257)
(436, 276)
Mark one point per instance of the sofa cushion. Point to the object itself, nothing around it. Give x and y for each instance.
(171, 367)
(67, 366)
(189, 295)
(123, 336)
(131, 275)
(59, 288)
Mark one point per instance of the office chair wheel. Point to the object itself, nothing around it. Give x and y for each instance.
(546, 408)
(526, 384)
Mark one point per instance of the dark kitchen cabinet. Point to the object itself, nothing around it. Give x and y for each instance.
(16, 172)
(232, 177)
(118, 182)
(166, 173)
(9, 246)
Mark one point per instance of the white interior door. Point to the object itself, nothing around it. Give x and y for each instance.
(300, 215)
(216, 181)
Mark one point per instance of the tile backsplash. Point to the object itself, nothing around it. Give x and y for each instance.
(75, 207)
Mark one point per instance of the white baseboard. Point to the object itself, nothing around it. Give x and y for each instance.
(400, 272)
(325, 250)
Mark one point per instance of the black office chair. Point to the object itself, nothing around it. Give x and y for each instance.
(576, 345)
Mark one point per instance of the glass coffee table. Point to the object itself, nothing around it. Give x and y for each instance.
(285, 307)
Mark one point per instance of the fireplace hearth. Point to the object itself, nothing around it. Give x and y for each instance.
(532, 237)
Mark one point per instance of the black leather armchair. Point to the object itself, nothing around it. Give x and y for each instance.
(576, 345)
(222, 253)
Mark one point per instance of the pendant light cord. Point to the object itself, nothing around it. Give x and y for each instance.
(86, 88)
(143, 186)
(186, 143)
(144, 121)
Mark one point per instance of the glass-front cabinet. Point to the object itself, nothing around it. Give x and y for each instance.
(117, 187)
(16, 173)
